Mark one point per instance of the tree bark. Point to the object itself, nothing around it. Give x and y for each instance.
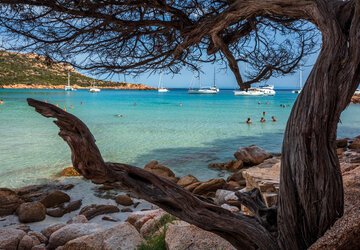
(311, 190)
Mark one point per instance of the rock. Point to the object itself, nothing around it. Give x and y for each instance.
(39, 247)
(238, 177)
(69, 171)
(191, 187)
(55, 212)
(233, 185)
(106, 187)
(126, 210)
(47, 231)
(72, 206)
(342, 143)
(230, 165)
(93, 210)
(109, 218)
(38, 236)
(187, 180)
(27, 242)
(123, 236)
(66, 187)
(138, 219)
(222, 196)
(70, 232)
(22, 227)
(230, 208)
(181, 235)
(77, 219)
(209, 186)
(31, 212)
(355, 99)
(55, 198)
(124, 200)
(156, 168)
(29, 189)
(64, 209)
(355, 144)
(10, 238)
(252, 155)
(9, 201)
(340, 151)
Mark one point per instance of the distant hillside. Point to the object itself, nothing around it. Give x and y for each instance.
(30, 70)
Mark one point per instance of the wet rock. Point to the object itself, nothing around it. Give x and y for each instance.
(47, 231)
(342, 143)
(66, 186)
(77, 219)
(55, 212)
(109, 218)
(126, 210)
(187, 180)
(70, 232)
(10, 238)
(64, 208)
(72, 206)
(93, 210)
(138, 219)
(123, 236)
(106, 187)
(31, 212)
(181, 235)
(69, 171)
(22, 227)
(191, 187)
(209, 186)
(355, 144)
(27, 242)
(229, 166)
(355, 99)
(252, 155)
(39, 247)
(237, 177)
(9, 201)
(124, 200)
(38, 236)
(55, 198)
(156, 168)
(29, 189)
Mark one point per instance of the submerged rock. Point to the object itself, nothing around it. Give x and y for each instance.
(156, 168)
(55, 198)
(31, 212)
(93, 210)
(123, 236)
(9, 201)
(251, 155)
(124, 200)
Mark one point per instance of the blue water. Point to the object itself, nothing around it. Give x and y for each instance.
(205, 129)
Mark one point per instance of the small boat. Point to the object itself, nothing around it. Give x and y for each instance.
(298, 91)
(68, 87)
(357, 92)
(249, 92)
(94, 89)
(202, 90)
(161, 88)
(267, 89)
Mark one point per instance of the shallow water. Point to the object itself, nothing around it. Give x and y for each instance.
(206, 129)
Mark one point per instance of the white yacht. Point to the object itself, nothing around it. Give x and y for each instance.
(202, 90)
(161, 85)
(249, 92)
(357, 92)
(68, 87)
(267, 89)
(298, 91)
(94, 89)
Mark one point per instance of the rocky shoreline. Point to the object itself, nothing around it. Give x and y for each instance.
(125, 86)
(355, 99)
(67, 215)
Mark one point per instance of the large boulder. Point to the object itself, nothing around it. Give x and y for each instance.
(93, 210)
(355, 144)
(210, 186)
(138, 219)
(181, 235)
(187, 180)
(156, 168)
(59, 211)
(70, 232)
(27, 243)
(31, 212)
(9, 201)
(124, 200)
(55, 198)
(341, 143)
(10, 238)
(123, 236)
(48, 231)
(77, 219)
(252, 155)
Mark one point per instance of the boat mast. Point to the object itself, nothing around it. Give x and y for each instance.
(300, 78)
(214, 79)
(69, 78)
(160, 79)
(199, 82)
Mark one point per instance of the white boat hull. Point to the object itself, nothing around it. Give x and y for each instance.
(357, 92)
(202, 91)
(248, 93)
(163, 90)
(268, 91)
(94, 90)
(68, 88)
(296, 91)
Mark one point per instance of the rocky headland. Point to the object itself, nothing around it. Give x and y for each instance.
(355, 99)
(67, 214)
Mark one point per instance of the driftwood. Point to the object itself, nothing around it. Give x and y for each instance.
(242, 231)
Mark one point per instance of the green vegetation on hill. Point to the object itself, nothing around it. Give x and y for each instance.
(30, 68)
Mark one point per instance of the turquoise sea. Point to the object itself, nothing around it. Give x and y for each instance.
(205, 129)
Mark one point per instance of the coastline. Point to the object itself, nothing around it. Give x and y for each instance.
(126, 86)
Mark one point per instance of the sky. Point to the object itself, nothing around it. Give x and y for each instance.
(225, 79)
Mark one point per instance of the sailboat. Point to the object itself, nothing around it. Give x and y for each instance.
(214, 87)
(267, 89)
(298, 91)
(68, 87)
(204, 90)
(94, 89)
(161, 85)
(249, 91)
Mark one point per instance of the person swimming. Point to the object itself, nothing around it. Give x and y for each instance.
(267, 103)
(180, 104)
(64, 108)
(1, 101)
(248, 121)
(262, 119)
(71, 106)
(134, 103)
(259, 103)
(57, 105)
(264, 113)
(273, 118)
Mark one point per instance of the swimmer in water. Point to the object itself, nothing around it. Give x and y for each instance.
(248, 121)
(259, 103)
(262, 119)
(273, 118)
(134, 103)
(80, 103)
(45, 101)
(71, 106)
(1, 101)
(64, 108)
(264, 113)
(57, 105)
(180, 104)
(267, 103)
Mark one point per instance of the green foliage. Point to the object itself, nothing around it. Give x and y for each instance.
(157, 241)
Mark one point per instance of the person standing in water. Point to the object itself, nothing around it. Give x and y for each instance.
(248, 121)
(262, 119)
(273, 118)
